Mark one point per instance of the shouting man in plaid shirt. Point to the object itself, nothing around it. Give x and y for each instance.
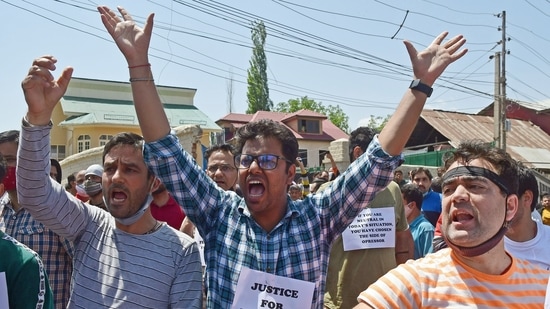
(264, 250)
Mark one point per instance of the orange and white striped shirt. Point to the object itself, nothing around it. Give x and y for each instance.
(440, 280)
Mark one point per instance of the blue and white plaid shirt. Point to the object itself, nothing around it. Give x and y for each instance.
(298, 247)
(56, 252)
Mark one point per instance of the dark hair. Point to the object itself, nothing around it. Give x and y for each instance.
(3, 167)
(361, 137)
(268, 128)
(9, 136)
(544, 194)
(55, 163)
(223, 148)
(71, 178)
(505, 166)
(125, 138)
(436, 184)
(420, 170)
(528, 181)
(411, 193)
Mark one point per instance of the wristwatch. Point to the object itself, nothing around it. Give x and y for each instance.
(420, 86)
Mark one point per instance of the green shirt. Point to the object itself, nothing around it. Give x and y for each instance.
(26, 279)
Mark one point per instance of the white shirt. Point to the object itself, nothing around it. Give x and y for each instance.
(536, 250)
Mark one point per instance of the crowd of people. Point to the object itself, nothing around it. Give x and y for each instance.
(148, 228)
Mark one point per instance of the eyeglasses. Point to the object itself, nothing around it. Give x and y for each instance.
(265, 161)
(224, 168)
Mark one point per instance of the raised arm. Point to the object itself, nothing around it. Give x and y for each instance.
(133, 42)
(333, 166)
(42, 91)
(427, 66)
(304, 175)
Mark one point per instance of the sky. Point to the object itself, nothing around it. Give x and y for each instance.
(341, 53)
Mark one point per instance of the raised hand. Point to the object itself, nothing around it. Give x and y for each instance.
(430, 63)
(42, 91)
(132, 40)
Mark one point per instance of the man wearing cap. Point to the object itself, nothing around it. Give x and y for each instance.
(92, 185)
(479, 202)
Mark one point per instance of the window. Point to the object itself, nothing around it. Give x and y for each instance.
(103, 139)
(83, 142)
(302, 153)
(309, 126)
(57, 152)
(228, 133)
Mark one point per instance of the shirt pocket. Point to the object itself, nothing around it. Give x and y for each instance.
(31, 229)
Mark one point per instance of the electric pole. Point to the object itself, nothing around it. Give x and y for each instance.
(497, 106)
(503, 100)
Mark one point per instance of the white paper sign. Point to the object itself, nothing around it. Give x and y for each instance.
(256, 289)
(372, 228)
(200, 244)
(4, 304)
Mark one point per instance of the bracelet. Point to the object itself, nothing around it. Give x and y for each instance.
(25, 122)
(139, 66)
(141, 79)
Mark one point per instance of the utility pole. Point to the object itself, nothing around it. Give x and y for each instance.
(503, 100)
(497, 106)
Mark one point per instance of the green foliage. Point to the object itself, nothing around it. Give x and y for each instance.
(334, 113)
(377, 123)
(258, 90)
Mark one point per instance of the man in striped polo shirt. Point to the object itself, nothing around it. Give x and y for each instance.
(479, 201)
(123, 257)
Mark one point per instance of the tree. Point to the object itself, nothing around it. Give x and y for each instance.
(258, 90)
(334, 113)
(377, 123)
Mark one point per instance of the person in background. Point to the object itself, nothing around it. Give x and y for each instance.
(70, 186)
(55, 170)
(55, 251)
(431, 205)
(525, 238)
(93, 187)
(333, 171)
(352, 268)
(221, 166)
(421, 229)
(165, 208)
(436, 184)
(304, 177)
(80, 192)
(263, 235)
(316, 184)
(295, 192)
(22, 271)
(479, 202)
(398, 178)
(545, 210)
